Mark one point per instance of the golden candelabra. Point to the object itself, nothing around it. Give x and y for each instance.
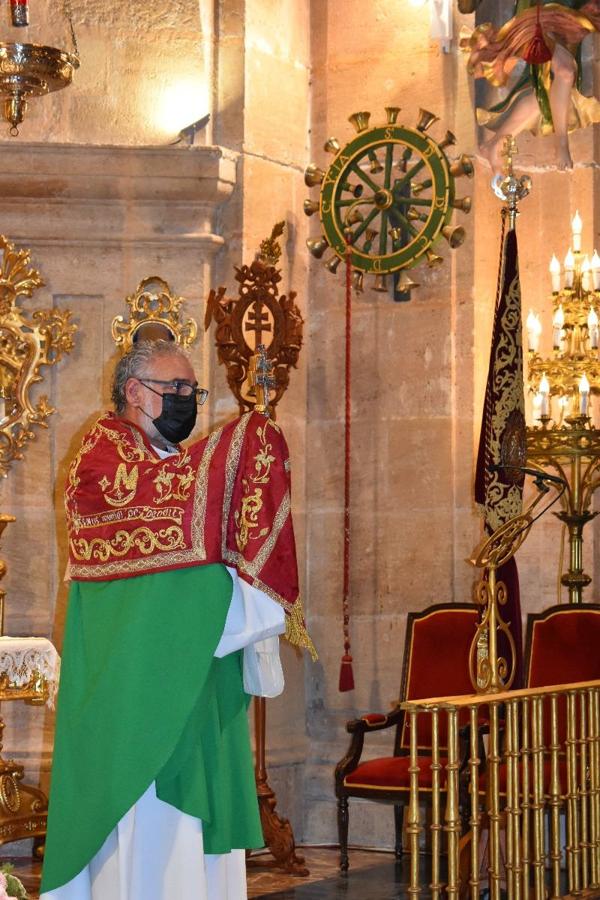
(563, 437)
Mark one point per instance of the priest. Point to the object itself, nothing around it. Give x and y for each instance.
(183, 573)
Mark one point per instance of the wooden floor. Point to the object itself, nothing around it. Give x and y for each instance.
(373, 876)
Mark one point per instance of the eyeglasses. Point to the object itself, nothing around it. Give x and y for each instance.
(179, 387)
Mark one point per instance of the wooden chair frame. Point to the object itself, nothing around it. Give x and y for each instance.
(360, 728)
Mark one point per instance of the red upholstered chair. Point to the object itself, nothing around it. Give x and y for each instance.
(562, 646)
(436, 663)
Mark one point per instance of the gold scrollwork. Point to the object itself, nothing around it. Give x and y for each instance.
(144, 539)
(154, 313)
(26, 344)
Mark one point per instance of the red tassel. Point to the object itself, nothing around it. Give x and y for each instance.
(346, 674)
(537, 51)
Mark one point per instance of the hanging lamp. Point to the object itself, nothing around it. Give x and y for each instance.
(32, 70)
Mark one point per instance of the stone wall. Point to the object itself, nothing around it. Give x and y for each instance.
(93, 188)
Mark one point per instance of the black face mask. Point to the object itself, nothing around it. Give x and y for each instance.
(177, 417)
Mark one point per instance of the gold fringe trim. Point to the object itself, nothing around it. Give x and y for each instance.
(295, 630)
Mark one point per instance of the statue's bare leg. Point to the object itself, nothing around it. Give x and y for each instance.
(564, 71)
(522, 116)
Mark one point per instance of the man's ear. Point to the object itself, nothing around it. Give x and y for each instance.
(133, 392)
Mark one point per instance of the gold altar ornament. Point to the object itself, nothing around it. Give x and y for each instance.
(154, 314)
(563, 436)
(259, 316)
(33, 70)
(26, 344)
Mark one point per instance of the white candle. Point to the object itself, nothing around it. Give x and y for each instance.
(596, 270)
(558, 320)
(593, 328)
(569, 269)
(585, 274)
(536, 406)
(555, 274)
(562, 405)
(544, 391)
(534, 329)
(577, 227)
(584, 395)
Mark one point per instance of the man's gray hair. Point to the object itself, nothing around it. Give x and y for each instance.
(136, 363)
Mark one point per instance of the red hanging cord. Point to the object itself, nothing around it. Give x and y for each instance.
(537, 51)
(346, 673)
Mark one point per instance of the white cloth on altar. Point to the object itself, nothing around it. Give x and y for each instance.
(154, 837)
(23, 658)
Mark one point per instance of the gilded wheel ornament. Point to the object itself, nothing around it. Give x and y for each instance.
(9, 793)
(389, 194)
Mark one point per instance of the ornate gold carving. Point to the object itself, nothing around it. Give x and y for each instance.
(26, 344)
(154, 313)
(259, 315)
(9, 794)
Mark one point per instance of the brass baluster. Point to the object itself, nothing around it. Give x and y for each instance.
(592, 789)
(474, 762)
(555, 798)
(517, 825)
(452, 816)
(525, 795)
(493, 805)
(595, 784)
(583, 790)
(513, 850)
(413, 828)
(436, 826)
(573, 851)
(537, 805)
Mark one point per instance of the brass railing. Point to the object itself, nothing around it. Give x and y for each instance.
(514, 769)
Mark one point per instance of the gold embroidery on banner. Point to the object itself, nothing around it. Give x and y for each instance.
(124, 482)
(253, 567)
(157, 561)
(263, 459)
(134, 513)
(167, 490)
(144, 539)
(231, 468)
(123, 444)
(281, 517)
(246, 518)
(201, 496)
(503, 501)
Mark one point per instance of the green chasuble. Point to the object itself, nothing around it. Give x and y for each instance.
(142, 698)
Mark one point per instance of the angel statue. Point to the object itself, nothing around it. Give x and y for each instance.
(545, 96)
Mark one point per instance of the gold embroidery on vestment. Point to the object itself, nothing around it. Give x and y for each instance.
(231, 468)
(144, 539)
